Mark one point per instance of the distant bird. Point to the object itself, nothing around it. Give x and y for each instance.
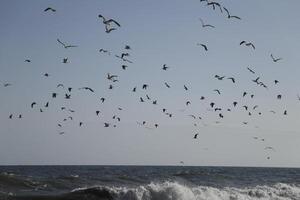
(7, 84)
(275, 59)
(60, 85)
(54, 95)
(109, 29)
(97, 112)
(156, 125)
(167, 85)
(49, 9)
(106, 124)
(69, 89)
(235, 103)
(203, 45)
(111, 77)
(212, 104)
(193, 116)
(164, 67)
(147, 96)
(205, 25)
(108, 22)
(276, 82)
(221, 115)
(80, 123)
(32, 104)
(141, 99)
(244, 94)
(185, 87)
(196, 135)
(218, 91)
(110, 87)
(219, 77)
(124, 67)
(10, 116)
(187, 103)
(67, 96)
(127, 47)
(145, 86)
(247, 44)
(232, 79)
(255, 107)
(250, 70)
(279, 96)
(20, 116)
(246, 107)
(285, 112)
(87, 88)
(102, 99)
(65, 60)
(27, 60)
(47, 105)
(134, 89)
(202, 98)
(270, 148)
(65, 45)
(46, 74)
(104, 51)
(230, 16)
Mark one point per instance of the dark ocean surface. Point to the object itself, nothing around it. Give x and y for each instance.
(148, 183)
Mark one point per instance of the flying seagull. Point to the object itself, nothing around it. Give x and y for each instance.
(65, 45)
(203, 45)
(205, 25)
(49, 9)
(275, 59)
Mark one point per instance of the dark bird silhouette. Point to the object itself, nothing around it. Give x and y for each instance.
(248, 44)
(87, 88)
(185, 87)
(196, 135)
(46, 74)
(60, 85)
(235, 103)
(246, 107)
(250, 70)
(7, 84)
(127, 47)
(20, 116)
(111, 77)
(255, 107)
(47, 105)
(97, 112)
(203, 45)
(285, 112)
(219, 77)
(231, 16)
(102, 99)
(141, 99)
(165, 67)
(218, 91)
(65, 45)
(124, 67)
(279, 96)
(156, 125)
(145, 86)
(167, 85)
(108, 22)
(232, 79)
(276, 82)
(54, 95)
(27, 60)
(134, 89)
(67, 96)
(65, 60)
(205, 25)
(10, 116)
(212, 104)
(80, 124)
(187, 103)
(106, 124)
(275, 59)
(69, 89)
(147, 96)
(49, 9)
(109, 29)
(244, 94)
(32, 104)
(202, 98)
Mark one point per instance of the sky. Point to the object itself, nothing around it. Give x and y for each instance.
(158, 32)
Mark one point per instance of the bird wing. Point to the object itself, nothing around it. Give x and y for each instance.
(114, 21)
(58, 40)
(226, 12)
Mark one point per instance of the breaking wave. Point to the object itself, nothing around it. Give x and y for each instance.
(178, 191)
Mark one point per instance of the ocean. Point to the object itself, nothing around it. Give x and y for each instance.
(148, 183)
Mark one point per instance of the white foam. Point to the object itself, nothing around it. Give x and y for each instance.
(178, 191)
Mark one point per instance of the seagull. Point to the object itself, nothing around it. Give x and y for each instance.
(145, 86)
(205, 25)
(106, 124)
(218, 91)
(250, 70)
(203, 45)
(127, 47)
(231, 78)
(69, 89)
(10, 116)
(276, 81)
(230, 16)
(65, 60)
(54, 95)
(270, 148)
(27, 60)
(196, 135)
(87, 88)
(141, 99)
(187, 103)
(167, 85)
(60, 85)
(279, 96)
(111, 77)
(285, 112)
(32, 104)
(49, 9)
(67, 96)
(80, 123)
(134, 89)
(235, 103)
(108, 30)
(244, 94)
(109, 21)
(47, 105)
(247, 44)
(97, 112)
(102, 99)
(275, 59)
(65, 45)
(124, 67)
(185, 87)
(165, 67)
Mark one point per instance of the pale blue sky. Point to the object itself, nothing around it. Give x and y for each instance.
(159, 32)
